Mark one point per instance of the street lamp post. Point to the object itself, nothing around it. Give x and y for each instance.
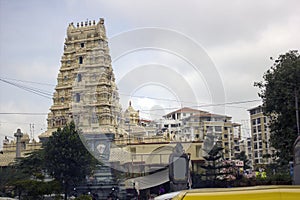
(297, 111)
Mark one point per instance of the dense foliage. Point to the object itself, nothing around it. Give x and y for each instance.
(279, 91)
(66, 158)
(60, 165)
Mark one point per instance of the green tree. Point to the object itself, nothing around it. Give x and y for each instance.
(279, 92)
(32, 165)
(8, 175)
(30, 182)
(63, 156)
(214, 164)
(66, 158)
(32, 189)
(25, 178)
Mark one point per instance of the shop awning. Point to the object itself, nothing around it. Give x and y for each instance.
(149, 181)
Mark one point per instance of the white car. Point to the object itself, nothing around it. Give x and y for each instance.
(167, 196)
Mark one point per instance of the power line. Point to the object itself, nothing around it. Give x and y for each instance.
(178, 101)
(157, 98)
(144, 111)
(48, 95)
(21, 113)
(208, 105)
(25, 81)
(33, 90)
(6, 122)
(46, 92)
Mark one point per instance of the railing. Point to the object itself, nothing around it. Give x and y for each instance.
(152, 158)
(138, 140)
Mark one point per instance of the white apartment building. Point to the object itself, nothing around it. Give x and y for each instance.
(260, 133)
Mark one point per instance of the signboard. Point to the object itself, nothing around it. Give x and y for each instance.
(179, 168)
(239, 163)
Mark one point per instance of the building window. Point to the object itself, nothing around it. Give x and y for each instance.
(62, 99)
(81, 45)
(258, 120)
(259, 137)
(77, 97)
(198, 151)
(259, 128)
(80, 60)
(255, 138)
(225, 136)
(253, 121)
(254, 129)
(265, 120)
(209, 128)
(255, 146)
(79, 77)
(218, 128)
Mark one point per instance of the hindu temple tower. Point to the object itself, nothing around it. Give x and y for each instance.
(86, 91)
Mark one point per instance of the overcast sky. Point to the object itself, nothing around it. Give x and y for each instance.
(233, 38)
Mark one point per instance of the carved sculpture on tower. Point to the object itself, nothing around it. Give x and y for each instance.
(86, 91)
